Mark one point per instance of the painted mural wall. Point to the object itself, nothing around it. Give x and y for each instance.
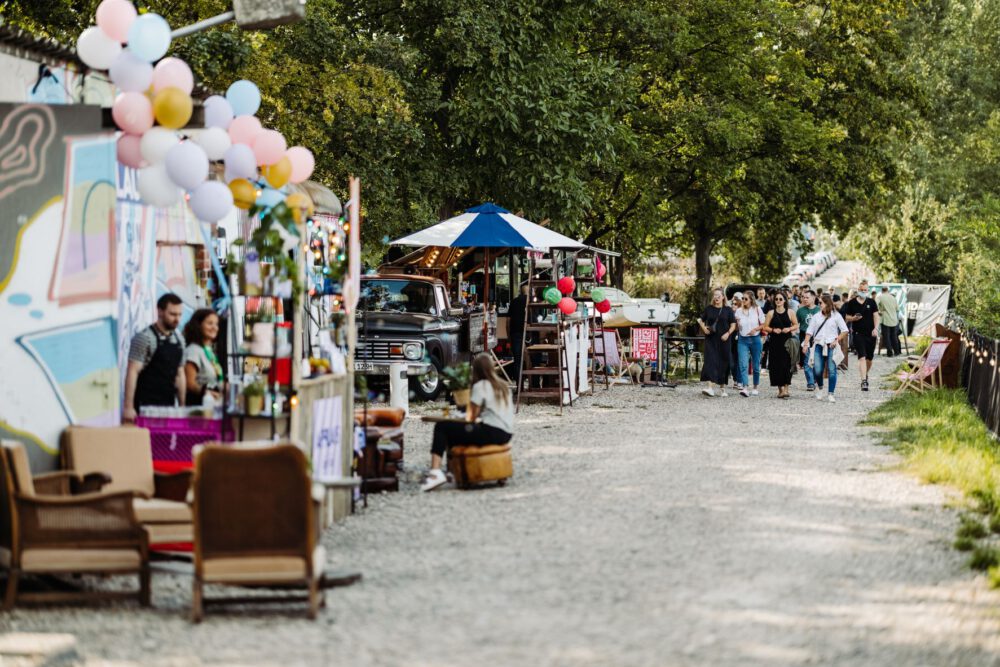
(59, 277)
(82, 263)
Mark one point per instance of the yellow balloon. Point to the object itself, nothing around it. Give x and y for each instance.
(277, 174)
(299, 203)
(244, 193)
(172, 108)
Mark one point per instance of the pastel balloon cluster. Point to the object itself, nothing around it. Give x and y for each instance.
(155, 104)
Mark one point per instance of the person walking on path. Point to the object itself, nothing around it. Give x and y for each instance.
(839, 301)
(862, 315)
(717, 323)
(761, 297)
(823, 338)
(780, 324)
(804, 315)
(750, 319)
(734, 353)
(155, 374)
(888, 312)
(490, 419)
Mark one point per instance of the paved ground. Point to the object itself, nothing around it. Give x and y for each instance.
(644, 527)
(844, 275)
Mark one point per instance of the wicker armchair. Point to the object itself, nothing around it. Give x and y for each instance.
(124, 454)
(65, 534)
(255, 523)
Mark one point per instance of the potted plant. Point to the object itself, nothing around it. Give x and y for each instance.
(458, 379)
(253, 395)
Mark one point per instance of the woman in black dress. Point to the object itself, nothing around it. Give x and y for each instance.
(717, 322)
(780, 324)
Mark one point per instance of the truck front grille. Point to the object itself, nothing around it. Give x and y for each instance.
(379, 350)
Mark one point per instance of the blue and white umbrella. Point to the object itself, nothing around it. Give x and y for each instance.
(489, 226)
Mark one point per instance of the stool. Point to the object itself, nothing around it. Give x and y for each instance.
(474, 464)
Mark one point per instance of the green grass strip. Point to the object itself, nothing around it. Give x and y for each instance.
(943, 441)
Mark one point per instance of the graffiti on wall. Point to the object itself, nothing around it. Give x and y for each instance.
(58, 274)
(136, 262)
(85, 263)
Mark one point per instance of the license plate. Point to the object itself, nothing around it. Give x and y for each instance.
(363, 366)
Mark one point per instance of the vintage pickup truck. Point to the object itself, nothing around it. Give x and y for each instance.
(409, 319)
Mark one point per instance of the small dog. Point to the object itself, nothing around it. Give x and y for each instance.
(636, 370)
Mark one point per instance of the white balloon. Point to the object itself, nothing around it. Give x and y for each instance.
(96, 49)
(187, 165)
(215, 141)
(130, 73)
(218, 112)
(211, 201)
(155, 144)
(240, 163)
(156, 188)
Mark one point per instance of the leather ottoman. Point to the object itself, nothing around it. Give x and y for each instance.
(475, 464)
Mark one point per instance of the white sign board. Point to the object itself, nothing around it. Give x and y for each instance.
(327, 423)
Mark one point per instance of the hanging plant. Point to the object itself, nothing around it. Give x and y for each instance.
(276, 242)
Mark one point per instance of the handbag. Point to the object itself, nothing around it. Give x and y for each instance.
(838, 355)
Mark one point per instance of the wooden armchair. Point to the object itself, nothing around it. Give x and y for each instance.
(65, 534)
(255, 523)
(124, 454)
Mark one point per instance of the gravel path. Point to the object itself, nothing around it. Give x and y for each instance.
(643, 527)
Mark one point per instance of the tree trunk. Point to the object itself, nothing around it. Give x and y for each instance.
(617, 270)
(703, 267)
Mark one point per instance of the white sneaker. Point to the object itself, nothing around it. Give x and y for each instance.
(435, 479)
(819, 396)
(755, 393)
(832, 399)
(723, 394)
(708, 392)
(745, 392)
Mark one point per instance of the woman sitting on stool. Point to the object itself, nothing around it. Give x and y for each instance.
(490, 402)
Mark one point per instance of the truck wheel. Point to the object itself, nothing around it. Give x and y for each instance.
(427, 387)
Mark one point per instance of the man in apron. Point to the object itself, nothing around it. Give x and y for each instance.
(155, 362)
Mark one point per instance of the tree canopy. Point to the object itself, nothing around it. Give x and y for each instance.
(716, 126)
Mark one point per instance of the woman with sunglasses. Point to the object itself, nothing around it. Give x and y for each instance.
(750, 318)
(780, 325)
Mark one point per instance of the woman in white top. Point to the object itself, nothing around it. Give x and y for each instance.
(823, 337)
(750, 320)
(490, 419)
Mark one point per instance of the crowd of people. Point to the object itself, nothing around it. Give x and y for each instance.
(787, 329)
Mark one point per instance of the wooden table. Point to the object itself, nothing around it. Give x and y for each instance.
(441, 419)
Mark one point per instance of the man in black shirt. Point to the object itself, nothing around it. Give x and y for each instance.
(517, 312)
(861, 313)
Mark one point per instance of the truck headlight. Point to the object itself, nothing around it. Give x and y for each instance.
(413, 351)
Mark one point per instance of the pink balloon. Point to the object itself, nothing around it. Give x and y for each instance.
(129, 153)
(567, 305)
(268, 147)
(114, 18)
(173, 73)
(244, 129)
(133, 113)
(302, 161)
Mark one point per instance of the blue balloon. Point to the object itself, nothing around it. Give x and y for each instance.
(244, 97)
(270, 197)
(149, 37)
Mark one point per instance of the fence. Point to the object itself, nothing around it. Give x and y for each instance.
(980, 376)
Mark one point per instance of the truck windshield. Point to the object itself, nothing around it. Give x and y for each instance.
(402, 296)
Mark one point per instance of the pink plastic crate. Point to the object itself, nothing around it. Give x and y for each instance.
(173, 438)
